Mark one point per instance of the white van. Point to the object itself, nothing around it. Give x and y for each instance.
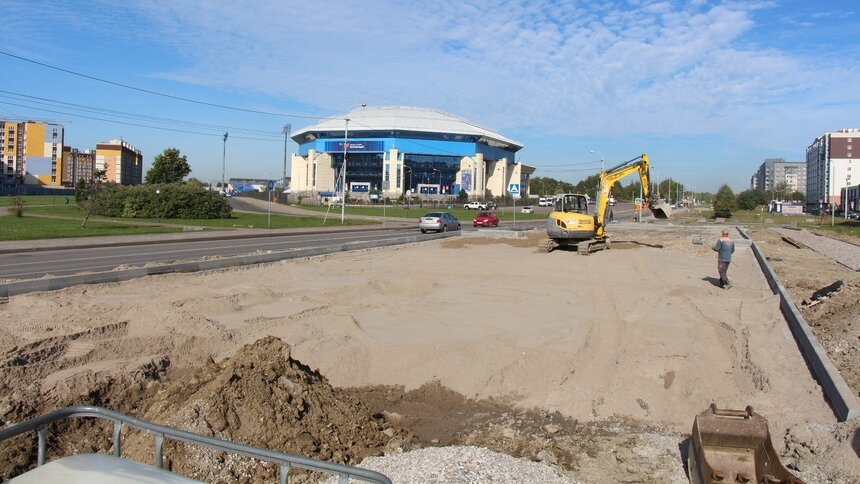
(543, 202)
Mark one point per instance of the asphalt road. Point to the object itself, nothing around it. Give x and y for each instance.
(60, 262)
(69, 261)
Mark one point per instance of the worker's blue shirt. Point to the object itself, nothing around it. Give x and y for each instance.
(725, 248)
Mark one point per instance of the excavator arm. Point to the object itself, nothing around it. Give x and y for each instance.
(610, 177)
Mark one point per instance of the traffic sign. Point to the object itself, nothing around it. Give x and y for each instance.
(514, 188)
(271, 185)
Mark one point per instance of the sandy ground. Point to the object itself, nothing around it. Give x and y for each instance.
(639, 334)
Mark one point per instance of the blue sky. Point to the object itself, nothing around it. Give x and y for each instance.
(708, 89)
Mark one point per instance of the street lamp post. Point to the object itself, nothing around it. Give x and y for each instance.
(829, 197)
(408, 180)
(287, 128)
(343, 184)
(597, 193)
(438, 190)
(224, 165)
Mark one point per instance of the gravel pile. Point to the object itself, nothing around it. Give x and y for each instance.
(842, 252)
(460, 465)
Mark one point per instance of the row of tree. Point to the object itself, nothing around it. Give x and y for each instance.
(669, 188)
(726, 202)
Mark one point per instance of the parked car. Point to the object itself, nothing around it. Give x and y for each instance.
(438, 221)
(852, 215)
(527, 209)
(476, 206)
(486, 219)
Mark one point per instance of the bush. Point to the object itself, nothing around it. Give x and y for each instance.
(18, 205)
(168, 200)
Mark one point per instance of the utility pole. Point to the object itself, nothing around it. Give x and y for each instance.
(343, 186)
(597, 193)
(287, 129)
(224, 165)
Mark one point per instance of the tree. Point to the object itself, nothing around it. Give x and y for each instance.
(168, 167)
(725, 202)
(750, 199)
(99, 178)
(797, 197)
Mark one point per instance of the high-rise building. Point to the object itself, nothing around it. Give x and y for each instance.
(122, 162)
(31, 153)
(829, 160)
(77, 165)
(778, 174)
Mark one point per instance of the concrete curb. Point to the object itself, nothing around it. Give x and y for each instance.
(842, 399)
(53, 283)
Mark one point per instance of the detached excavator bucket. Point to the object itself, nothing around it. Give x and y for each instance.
(734, 446)
(661, 209)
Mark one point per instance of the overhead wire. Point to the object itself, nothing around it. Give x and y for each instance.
(156, 93)
(142, 117)
(136, 124)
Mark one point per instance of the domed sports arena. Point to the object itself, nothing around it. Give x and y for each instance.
(394, 151)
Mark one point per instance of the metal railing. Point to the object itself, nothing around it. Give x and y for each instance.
(160, 432)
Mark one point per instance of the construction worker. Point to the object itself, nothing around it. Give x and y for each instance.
(724, 248)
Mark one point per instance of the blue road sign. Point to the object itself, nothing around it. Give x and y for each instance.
(514, 188)
(271, 185)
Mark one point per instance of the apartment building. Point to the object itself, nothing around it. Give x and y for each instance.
(829, 163)
(31, 153)
(77, 164)
(776, 172)
(122, 162)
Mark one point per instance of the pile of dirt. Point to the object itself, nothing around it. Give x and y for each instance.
(263, 397)
(260, 396)
(609, 450)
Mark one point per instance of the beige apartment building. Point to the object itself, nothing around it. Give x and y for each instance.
(122, 162)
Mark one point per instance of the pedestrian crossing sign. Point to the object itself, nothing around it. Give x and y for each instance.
(514, 188)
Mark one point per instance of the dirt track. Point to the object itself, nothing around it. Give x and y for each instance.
(595, 364)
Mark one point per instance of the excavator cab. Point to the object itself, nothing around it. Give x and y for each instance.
(572, 203)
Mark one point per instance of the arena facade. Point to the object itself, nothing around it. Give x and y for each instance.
(394, 151)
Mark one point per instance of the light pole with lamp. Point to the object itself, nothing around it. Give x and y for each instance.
(224, 166)
(408, 185)
(287, 128)
(829, 196)
(438, 190)
(343, 184)
(597, 192)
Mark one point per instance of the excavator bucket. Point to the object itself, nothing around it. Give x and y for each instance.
(734, 446)
(661, 209)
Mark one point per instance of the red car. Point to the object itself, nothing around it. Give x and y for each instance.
(486, 219)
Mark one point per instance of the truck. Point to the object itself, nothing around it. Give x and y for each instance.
(476, 206)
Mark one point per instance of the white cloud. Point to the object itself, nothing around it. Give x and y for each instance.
(575, 68)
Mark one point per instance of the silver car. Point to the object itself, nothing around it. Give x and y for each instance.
(438, 221)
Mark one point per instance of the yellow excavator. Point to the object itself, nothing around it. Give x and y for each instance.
(570, 225)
